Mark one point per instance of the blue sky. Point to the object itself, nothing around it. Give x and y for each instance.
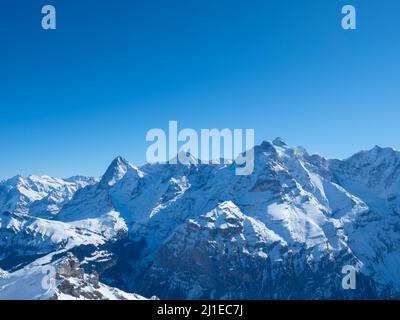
(73, 98)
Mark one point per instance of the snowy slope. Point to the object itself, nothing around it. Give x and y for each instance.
(374, 176)
(25, 238)
(61, 280)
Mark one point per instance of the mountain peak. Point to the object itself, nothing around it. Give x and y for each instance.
(115, 171)
(120, 160)
(375, 153)
(383, 149)
(279, 142)
(14, 180)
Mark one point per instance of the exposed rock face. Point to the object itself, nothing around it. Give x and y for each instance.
(3, 273)
(62, 279)
(69, 267)
(73, 282)
(227, 255)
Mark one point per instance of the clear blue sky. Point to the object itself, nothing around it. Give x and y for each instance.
(74, 98)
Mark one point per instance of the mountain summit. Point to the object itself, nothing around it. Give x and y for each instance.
(279, 142)
(116, 170)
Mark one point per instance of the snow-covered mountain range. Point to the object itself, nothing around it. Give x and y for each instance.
(197, 231)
